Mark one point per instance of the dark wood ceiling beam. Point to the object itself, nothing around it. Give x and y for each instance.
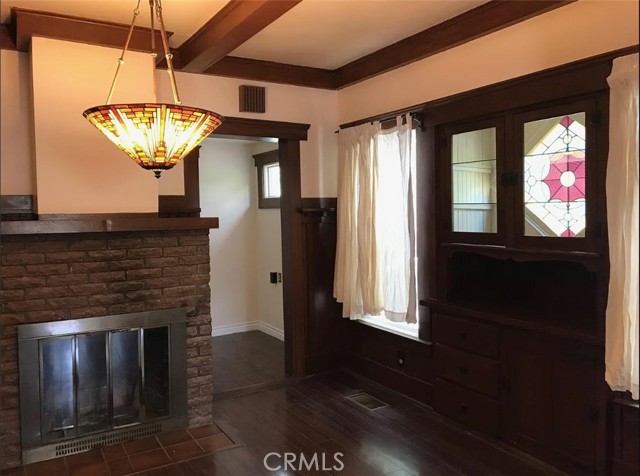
(238, 21)
(257, 70)
(478, 22)
(29, 23)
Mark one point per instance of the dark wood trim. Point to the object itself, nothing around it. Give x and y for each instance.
(293, 255)
(440, 110)
(16, 204)
(328, 203)
(240, 126)
(234, 24)
(29, 23)
(270, 71)
(266, 158)
(6, 38)
(483, 20)
(187, 205)
(17, 207)
(104, 225)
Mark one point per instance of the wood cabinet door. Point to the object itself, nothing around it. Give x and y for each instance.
(529, 395)
(551, 401)
(575, 415)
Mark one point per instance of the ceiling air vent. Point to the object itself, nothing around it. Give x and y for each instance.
(252, 98)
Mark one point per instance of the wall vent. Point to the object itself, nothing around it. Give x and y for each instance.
(252, 98)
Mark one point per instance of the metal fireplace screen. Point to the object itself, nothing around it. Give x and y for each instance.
(91, 376)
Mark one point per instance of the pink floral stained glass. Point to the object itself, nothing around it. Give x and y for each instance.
(555, 177)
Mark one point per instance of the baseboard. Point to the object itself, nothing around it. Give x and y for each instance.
(270, 330)
(246, 327)
(234, 328)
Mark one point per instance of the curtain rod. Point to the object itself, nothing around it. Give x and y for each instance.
(417, 116)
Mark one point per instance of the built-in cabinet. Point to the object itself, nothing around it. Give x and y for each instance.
(515, 262)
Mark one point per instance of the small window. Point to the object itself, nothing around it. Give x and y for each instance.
(271, 178)
(268, 167)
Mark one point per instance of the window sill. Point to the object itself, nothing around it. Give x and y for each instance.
(391, 328)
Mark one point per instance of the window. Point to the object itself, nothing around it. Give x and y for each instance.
(269, 190)
(271, 180)
(390, 182)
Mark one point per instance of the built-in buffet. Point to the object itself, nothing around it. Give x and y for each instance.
(515, 262)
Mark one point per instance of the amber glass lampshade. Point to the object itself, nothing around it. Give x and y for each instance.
(155, 136)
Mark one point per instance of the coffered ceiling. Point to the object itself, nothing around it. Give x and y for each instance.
(318, 43)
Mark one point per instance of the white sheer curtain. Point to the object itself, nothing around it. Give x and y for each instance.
(622, 210)
(375, 271)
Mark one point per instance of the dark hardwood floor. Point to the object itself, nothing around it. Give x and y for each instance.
(308, 416)
(315, 415)
(246, 360)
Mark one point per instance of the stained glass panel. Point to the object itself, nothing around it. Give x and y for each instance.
(555, 176)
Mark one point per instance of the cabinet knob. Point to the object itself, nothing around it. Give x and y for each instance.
(464, 408)
(463, 336)
(464, 371)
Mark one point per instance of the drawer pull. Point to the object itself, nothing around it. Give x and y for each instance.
(463, 336)
(464, 408)
(464, 371)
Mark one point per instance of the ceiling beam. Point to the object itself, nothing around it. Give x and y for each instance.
(480, 21)
(29, 23)
(269, 71)
(238, 21)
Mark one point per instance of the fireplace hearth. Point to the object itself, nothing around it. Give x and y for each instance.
(100, 381)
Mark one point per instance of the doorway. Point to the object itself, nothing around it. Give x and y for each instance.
(246, 256)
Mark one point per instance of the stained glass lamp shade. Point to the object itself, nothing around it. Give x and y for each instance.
(156, 136)
(555, 178)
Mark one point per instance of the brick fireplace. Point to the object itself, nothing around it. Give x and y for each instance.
(61, 276)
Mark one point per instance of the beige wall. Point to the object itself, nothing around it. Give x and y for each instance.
(225, 192)
(579, 30)
(16, 134)
(268, 244)
(78, 169)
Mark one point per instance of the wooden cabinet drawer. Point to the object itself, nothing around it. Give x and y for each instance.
(470, 370)
(467, 407)
(467, 335)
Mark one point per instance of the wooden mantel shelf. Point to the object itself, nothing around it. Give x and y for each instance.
(102, 224)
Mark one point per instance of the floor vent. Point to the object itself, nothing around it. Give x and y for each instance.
(367, 401)
(106, 439)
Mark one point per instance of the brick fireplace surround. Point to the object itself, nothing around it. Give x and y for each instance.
(50, 277)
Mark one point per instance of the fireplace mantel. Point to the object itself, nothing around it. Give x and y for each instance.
(103, 224)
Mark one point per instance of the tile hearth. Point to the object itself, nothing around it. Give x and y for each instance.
(134, 457)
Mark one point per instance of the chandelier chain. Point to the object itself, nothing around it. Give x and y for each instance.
(136, 12)
(165, 45)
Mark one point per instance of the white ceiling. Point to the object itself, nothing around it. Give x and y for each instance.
(332, 33)
(318, 33)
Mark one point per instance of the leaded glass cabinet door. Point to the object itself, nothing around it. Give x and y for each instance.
(472, 158)
(556, 151)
